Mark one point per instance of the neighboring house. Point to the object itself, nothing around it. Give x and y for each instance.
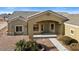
(47, 22)
(72, 26)
(2, 19)
(4, 16)
(17, 26)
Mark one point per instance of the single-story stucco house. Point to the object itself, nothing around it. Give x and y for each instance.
(46, 22)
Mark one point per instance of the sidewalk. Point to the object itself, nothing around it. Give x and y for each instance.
(58, 45)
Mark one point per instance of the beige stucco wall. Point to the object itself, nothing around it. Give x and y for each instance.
(12, 24)
(43, 17)
(68, 28)
(28, 26)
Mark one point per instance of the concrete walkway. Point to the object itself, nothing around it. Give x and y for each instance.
(58, 45)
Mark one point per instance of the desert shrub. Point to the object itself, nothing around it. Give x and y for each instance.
(70, 41)
(74, 46)
(32, 45)
(73, 41)
(22, 45)
(67, 40)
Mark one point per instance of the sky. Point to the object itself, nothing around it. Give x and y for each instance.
(57, 9)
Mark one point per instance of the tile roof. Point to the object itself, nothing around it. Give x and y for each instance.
(21, 13)
(73, 18)
(26, 14)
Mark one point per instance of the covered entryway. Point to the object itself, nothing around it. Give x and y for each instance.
(46, 27)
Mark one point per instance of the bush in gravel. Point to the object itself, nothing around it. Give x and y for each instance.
(22, 45)
(67, 40)
(32, 45)
(73, 41)
(74, 46)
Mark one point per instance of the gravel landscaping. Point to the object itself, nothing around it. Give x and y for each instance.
(7, 43)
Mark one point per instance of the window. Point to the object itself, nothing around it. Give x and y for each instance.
(35, 27)
(72, 32)
(18, 28)
(41, 27)
(52, 26)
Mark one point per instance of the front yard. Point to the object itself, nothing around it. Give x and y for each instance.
(7, 43)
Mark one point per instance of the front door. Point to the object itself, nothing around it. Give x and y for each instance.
(45, 27)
